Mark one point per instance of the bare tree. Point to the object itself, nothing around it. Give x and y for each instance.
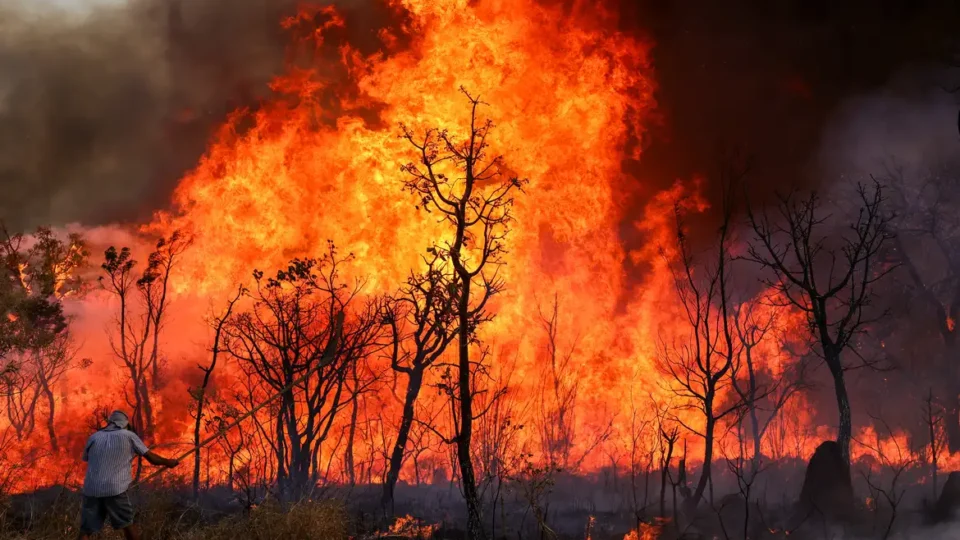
(643, 452)
(702, 364)
(200, 394)
(137, 343)
(558, 394)
(467, 187)
(886, 497)
(289, 333)
(763, 393)
(32, 376)
(666, 442)
(362, 379)
(423, 322)
(933, 417)
(829, 276)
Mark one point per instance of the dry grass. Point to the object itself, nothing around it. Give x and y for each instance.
(160, 516)
(301, 521)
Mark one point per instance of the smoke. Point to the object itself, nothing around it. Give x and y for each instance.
(104, 103)
(905, 132)
(910, 123)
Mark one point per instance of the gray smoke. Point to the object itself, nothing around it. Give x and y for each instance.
(911, 123)
(105, 103)
(905, 136)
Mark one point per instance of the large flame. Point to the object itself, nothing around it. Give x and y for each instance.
(567, 95)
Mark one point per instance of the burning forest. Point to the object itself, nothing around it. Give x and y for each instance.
(434, 270)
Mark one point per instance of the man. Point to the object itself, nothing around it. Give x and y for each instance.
(109, 454)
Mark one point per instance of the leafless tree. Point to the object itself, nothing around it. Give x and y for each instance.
(288, 343)
(667, 437)
(466, 185)
(423, 322)
(137, 340)
(891, 464)
(200, 394)
(363, 378)
(829, 275)
(643, 454)
(933, 416)
(701, 364)
(558, 394)
(32, 376)
(762, 392)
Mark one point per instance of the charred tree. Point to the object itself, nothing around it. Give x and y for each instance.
(137, 342)
(830, 277)
(703, 363)
(558, 396)
(289, 332)
(200, 394)
(764, 394)
(933, 416)
(465, 184)
(363, 378)
(423, 322)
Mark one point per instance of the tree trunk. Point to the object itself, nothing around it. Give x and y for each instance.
(707, 462)
(403, 434)
(465, 437)
(147, 408)
(51, 414)
(755, 426)
(845, 428)
(196, 440)
(348, 458)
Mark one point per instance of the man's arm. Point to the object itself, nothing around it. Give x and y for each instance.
(154, 459)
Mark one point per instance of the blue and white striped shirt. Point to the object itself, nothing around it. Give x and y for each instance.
(109, 454)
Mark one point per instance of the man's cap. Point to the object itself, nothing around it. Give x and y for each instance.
(119, 419)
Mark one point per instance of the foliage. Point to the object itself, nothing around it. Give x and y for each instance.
(36, 272)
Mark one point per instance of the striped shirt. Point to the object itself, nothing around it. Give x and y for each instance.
(109, 454)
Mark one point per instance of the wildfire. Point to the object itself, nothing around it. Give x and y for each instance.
(570, 98)
(566, 95)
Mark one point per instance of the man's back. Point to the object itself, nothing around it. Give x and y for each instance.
(108, 454)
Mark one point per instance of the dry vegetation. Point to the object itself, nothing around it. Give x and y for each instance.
(161, 516)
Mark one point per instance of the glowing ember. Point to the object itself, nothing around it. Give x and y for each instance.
(646, 531)
(410, 527)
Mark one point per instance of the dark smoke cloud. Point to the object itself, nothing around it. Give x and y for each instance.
(767, 76)
(102, 109)
(905, 132)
